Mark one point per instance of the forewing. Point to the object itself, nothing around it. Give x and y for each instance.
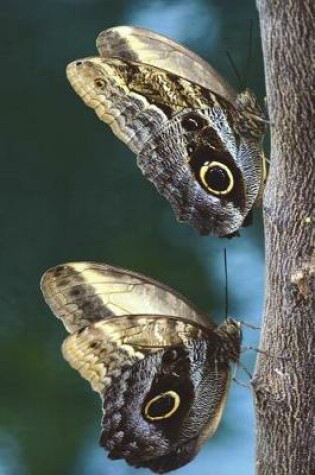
(81, 293)
(144, 46)
(136, 99)
(104, 349)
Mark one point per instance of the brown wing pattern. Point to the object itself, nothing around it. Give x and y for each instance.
(81, 293)
(104, 349)
(143, 46)
(136, 361)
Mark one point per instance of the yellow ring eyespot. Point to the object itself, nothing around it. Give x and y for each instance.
(162, 406)
(221, 182)
(99, 82)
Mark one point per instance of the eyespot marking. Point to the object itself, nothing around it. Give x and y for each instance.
(99, 83)
(217, 178)
(162, 406)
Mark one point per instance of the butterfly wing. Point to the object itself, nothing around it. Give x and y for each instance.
(163, 378)
(143, 46)
(103, 349)
(141, 80)
(80, 293)
(136, 99)
(162, 384)
(145, 100)
(205, 173)
(159, 412)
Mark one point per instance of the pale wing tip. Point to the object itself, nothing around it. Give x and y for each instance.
(119, 35)
(56, 274)
(50, 274)
(60, 272)
(47, 278)
(69, 70)
(80, 66)
(114, 30)
(123, 31)
(55, 284)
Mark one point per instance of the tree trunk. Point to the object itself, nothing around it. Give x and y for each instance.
(285, 371)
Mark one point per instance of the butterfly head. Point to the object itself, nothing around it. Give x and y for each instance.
(230, 333)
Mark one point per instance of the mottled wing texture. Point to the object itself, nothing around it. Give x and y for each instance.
(104, 349)
(151, 91)
(136, 99)
(172, 160)
(81, 293)
(143, 46)
(195, 373)
(135, 341)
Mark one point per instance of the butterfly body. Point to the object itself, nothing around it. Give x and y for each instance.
(168, 106)
(163, 376)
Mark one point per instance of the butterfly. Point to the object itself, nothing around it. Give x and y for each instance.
(196, 140)
(161, 367)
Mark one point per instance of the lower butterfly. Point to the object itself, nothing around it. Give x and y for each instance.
(161, 367)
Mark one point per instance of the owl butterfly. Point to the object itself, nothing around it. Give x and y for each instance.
(161, 367)
(196, 140)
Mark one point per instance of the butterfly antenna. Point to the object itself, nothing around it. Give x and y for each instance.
(249, 53)
(226, 286)
(257, 350)
(235, 70)
(237, 381)
(249, 325)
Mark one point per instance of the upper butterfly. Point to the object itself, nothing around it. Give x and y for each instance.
(161, 367)
(197, 141)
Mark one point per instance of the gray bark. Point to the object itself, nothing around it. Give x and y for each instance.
(284, 374)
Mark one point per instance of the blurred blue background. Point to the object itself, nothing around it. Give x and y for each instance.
(71, 191)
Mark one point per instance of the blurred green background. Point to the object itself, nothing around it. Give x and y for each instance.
(71, 191)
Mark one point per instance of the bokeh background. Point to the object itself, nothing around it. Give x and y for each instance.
(71, 191)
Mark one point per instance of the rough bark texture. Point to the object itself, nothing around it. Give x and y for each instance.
(283, 383)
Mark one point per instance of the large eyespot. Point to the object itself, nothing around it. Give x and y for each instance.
(216, 178)
(162, 406)
(99, 83)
